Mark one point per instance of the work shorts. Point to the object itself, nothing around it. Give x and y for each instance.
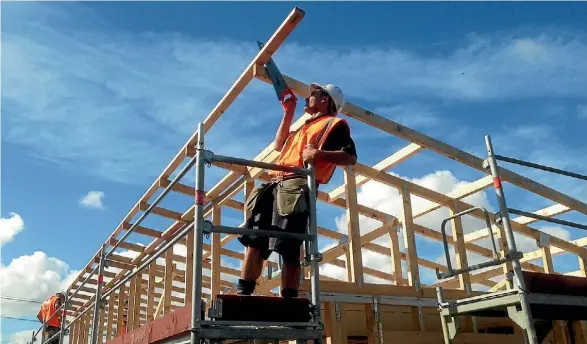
(278, 206)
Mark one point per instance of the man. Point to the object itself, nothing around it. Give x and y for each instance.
(50, 315)
(281, 205)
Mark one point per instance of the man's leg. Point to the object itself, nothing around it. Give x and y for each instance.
(252, 264)
(290, 280)
(251, 270)
(291, 269)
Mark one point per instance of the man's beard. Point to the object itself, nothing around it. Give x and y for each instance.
(310, 109)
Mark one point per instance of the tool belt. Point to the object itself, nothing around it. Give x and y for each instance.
(291, 195)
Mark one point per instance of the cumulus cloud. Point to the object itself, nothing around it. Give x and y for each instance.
(387, 199)
(582, 111)
(93, 199)
(36, 276)
(24, 337)
(155, 88)
(10, 227)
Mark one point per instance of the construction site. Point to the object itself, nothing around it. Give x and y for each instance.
(152, 295)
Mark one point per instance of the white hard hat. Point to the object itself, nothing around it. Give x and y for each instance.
(333, 91)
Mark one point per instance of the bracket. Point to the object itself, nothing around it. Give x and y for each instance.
(216, 310)
(486, 164)
(543, 240)
(206, 229)
(206, 156)
(337, 311)
(344, 239)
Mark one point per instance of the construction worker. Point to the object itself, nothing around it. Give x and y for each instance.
(51, 316)
(324, 140)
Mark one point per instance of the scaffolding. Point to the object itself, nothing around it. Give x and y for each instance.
(136, 293)
(518, 299)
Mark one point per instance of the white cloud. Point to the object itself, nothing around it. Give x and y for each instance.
(58, 71)
(582, 111)
(412, 115)
(93, 199)
(35, 277)
(10, 227)
(24, 337)
(387, 199)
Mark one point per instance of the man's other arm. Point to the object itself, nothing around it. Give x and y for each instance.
(339, 148)
(340, 157)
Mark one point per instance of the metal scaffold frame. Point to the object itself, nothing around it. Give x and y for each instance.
(516, 299)
(134, 291)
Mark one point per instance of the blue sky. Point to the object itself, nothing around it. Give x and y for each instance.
(100, 97)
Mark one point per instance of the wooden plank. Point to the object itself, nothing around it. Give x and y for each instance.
(153, 233)
(334, 316)
(137, 301)
(384, 165)
(101, 325)
(356, 261)
(169, 270)
(445, 200)
(120, 318)
(274, 42)
(551, 211)
(163, 212)
(461, 261)
(395, 255)
(189, 267)
(442, 148)
(109, 333)
(131, 304)
(215, 273)
(409, 239)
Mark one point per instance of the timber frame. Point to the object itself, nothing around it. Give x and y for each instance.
(162, 287)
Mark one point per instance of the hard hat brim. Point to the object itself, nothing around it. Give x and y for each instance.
(315, 86)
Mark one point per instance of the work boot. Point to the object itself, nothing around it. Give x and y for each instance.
(245, 287)
(289, 293)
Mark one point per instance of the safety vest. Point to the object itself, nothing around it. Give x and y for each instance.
(47, 309)
(312, 130)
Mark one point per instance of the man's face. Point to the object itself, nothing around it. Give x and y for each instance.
(317, 102)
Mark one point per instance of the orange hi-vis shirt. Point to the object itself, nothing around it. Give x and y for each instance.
(308, 133)
(47, 309)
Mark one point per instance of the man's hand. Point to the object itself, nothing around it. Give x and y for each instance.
(289, 105)
(310, 154)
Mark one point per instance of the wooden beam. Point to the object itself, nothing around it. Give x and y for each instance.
(384, 165)
(551, 211)
(356, 261)
(409, 239)
(394, 128)
(215, 273)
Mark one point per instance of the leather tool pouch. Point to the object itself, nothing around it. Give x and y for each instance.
(292, 196)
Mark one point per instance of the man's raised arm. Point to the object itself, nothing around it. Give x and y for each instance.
(289, 107)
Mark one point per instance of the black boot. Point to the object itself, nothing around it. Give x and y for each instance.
(245, 287)
(289, 293)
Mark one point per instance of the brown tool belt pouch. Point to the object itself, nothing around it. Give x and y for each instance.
(255, 195)
(292, 197)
